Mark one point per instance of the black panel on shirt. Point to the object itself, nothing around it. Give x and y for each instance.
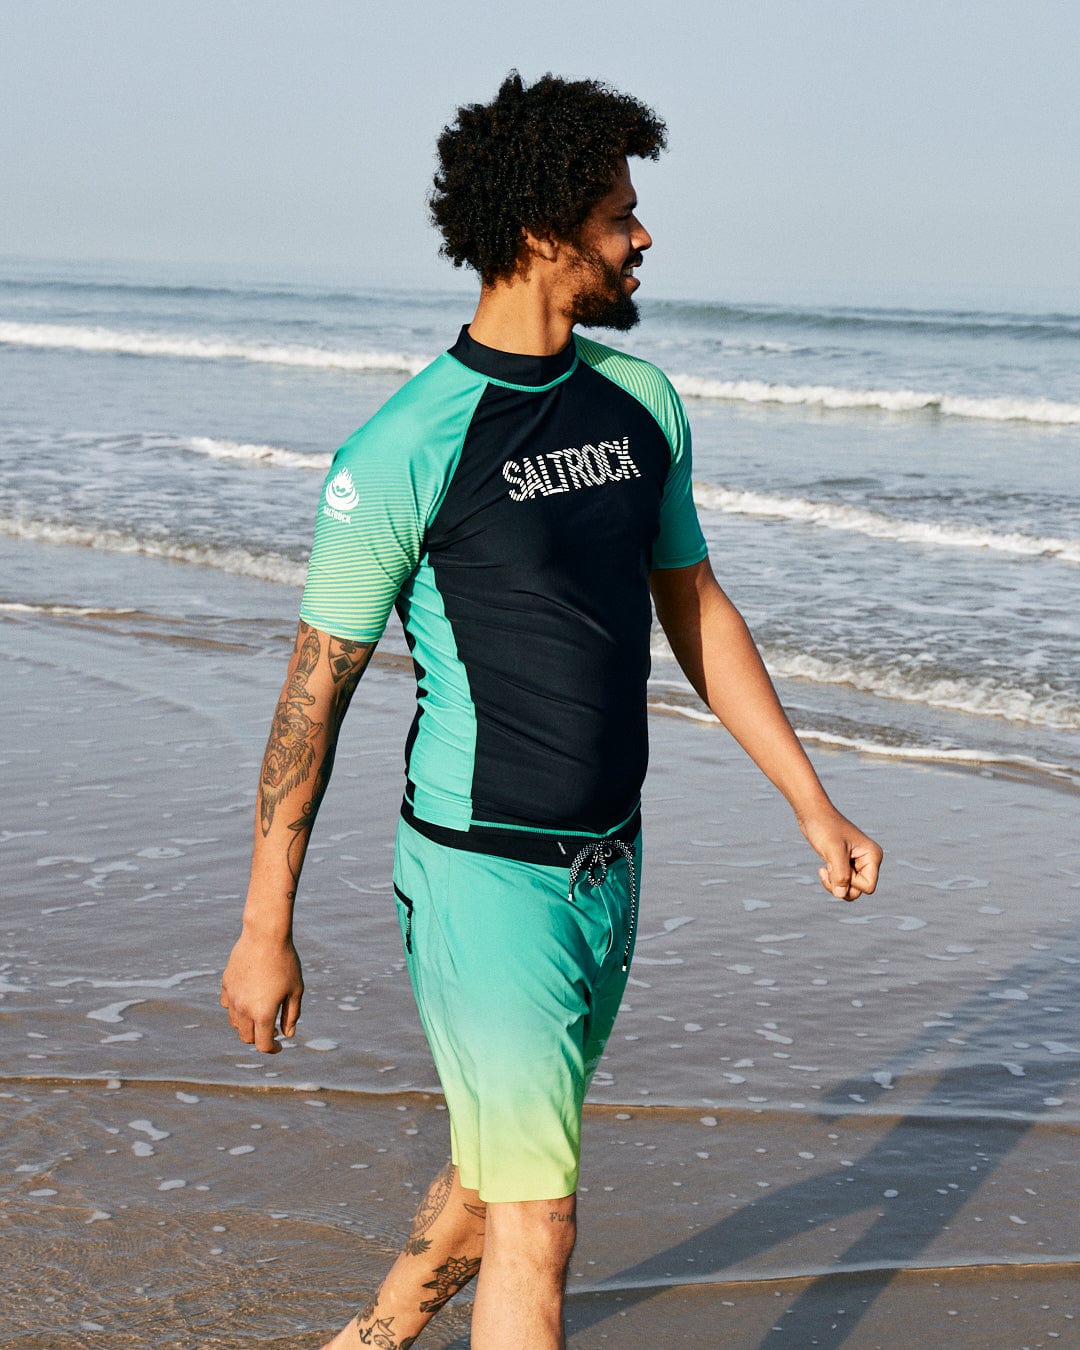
(548, 596)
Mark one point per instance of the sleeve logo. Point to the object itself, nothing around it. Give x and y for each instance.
(341, 496)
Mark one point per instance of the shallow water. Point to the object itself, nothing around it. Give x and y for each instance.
(812, 1116)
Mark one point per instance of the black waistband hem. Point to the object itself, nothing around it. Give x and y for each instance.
(531, 846)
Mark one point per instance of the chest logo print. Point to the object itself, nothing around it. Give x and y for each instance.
(341, 496)
(569, 470)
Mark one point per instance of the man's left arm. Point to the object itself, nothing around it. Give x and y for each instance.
(714, 647)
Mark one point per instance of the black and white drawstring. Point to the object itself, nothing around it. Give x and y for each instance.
(594, 859)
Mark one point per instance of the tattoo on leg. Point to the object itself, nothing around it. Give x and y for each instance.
(478, 1211)
(451, 1276)
(431, 1207)
(556, 1217)
(381, 1333)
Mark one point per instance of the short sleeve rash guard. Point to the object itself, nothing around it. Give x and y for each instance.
(512, 507)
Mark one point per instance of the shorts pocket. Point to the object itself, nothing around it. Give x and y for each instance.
(408, 907)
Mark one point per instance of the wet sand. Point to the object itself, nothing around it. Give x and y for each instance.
(229, 1229)
(817, 1124)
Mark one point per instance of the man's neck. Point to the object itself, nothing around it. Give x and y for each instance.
(516, 316)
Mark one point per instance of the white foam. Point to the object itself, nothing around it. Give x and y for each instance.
(275, 455)
(1042, 410)
(981, 698)
(70, 337)
(905, 923)
(164, 982)
(147, 1127)
(925, 753)
(878, 525)
(262, 566)
(72, 611)
(111, 1012)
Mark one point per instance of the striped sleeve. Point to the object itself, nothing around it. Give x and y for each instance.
(680, 542)
(383, 489)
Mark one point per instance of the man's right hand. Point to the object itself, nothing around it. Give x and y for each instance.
(261, 988)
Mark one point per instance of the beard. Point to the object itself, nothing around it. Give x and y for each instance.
(601, 301)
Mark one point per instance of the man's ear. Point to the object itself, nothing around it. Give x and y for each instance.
(540, 246)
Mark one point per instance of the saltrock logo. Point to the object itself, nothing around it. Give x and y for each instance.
(569, 470)
(341, 496)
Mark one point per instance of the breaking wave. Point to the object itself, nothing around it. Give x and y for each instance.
(243, 562)
(878, 525)
(1046, 411)
(74, 338)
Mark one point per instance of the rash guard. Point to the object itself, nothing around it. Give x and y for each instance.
(512, 508)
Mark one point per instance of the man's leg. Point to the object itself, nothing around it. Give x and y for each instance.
(440, 1256)
(519, 1296)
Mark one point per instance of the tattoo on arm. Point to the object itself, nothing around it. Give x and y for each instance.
(290, 750)
(348, 661)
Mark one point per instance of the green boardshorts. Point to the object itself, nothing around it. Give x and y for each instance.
(518, 969)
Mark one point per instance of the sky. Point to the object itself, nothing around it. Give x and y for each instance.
(879, 150)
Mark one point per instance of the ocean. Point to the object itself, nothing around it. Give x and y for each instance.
(798, 1092)
(890, 495)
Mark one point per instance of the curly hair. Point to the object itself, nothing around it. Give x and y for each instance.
(536, 157)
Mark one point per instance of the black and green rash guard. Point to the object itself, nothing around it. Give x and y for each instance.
(512, 507)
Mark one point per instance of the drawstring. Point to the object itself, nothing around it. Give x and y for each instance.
(594, 859)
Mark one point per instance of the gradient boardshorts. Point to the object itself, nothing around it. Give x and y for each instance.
(518, 969)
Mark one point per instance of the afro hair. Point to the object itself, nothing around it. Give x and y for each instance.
(536, 157)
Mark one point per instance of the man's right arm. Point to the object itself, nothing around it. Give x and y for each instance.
(262, 984)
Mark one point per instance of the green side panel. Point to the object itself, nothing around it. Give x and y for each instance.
(680, 542)
(383, 488)
(444, 752)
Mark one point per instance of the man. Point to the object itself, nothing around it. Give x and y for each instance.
(517, 501)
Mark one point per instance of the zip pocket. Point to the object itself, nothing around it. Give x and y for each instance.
(408, 916)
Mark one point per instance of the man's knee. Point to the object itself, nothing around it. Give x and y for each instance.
(540, 1233)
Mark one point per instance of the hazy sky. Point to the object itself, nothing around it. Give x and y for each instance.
(819, 148)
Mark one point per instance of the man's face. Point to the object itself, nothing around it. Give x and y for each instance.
(608, 247)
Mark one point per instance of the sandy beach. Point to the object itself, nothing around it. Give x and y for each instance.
(817, 1124)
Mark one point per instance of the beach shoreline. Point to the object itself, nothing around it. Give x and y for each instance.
(806, 1106)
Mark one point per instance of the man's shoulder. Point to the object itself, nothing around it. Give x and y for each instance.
(638, 377)
(604, 358)
(439, 396)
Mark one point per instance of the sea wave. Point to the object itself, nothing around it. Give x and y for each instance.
(274, 455)
(986, 697)
(978, 698)
(878, 525)
(887, 749)
(1053, 326)
(64, 611)
(1045, 411)
(243, 562)
(69, 337)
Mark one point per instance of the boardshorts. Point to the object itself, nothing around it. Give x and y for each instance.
(518, 969)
